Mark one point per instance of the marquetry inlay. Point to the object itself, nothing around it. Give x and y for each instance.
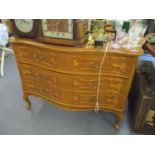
(68, 76)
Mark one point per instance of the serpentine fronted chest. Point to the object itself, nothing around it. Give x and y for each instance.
(68, 76)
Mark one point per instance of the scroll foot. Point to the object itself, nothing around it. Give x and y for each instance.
(28, 103)
(119, 117)
(28, 106)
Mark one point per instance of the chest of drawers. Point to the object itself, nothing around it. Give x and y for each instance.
(68, 76)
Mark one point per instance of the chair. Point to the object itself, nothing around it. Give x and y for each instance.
(2, 59)
(4, 36)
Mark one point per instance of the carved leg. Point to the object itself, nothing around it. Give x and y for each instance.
(119, 117)
(28, 103)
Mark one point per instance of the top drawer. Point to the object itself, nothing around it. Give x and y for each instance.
(36, 56)
(75, 62)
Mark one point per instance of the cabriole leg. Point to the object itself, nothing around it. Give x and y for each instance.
(28, 103)
(119, 117)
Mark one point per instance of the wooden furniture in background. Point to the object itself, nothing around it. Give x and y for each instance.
(68, 76)
(142, 99)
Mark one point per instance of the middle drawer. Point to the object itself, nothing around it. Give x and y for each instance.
(109, 84)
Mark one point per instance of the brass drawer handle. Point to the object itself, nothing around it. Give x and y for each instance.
(23, 55)
(40, 76)
(120, 66)
(112, 101)
(44, 91)
(75, 83)
(27, 73)
(94, 65)
(38, 57)
(92, 85)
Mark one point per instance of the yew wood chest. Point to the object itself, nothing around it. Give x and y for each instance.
(68, 76)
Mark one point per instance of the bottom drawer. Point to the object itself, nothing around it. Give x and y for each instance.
(75, 82)
(71, 97)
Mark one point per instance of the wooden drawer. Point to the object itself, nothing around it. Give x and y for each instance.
(75, 63)
(90, 63)
(70, 97)
(36, 56)
(112, 85)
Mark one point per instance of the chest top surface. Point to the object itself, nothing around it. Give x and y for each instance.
(84, 49)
